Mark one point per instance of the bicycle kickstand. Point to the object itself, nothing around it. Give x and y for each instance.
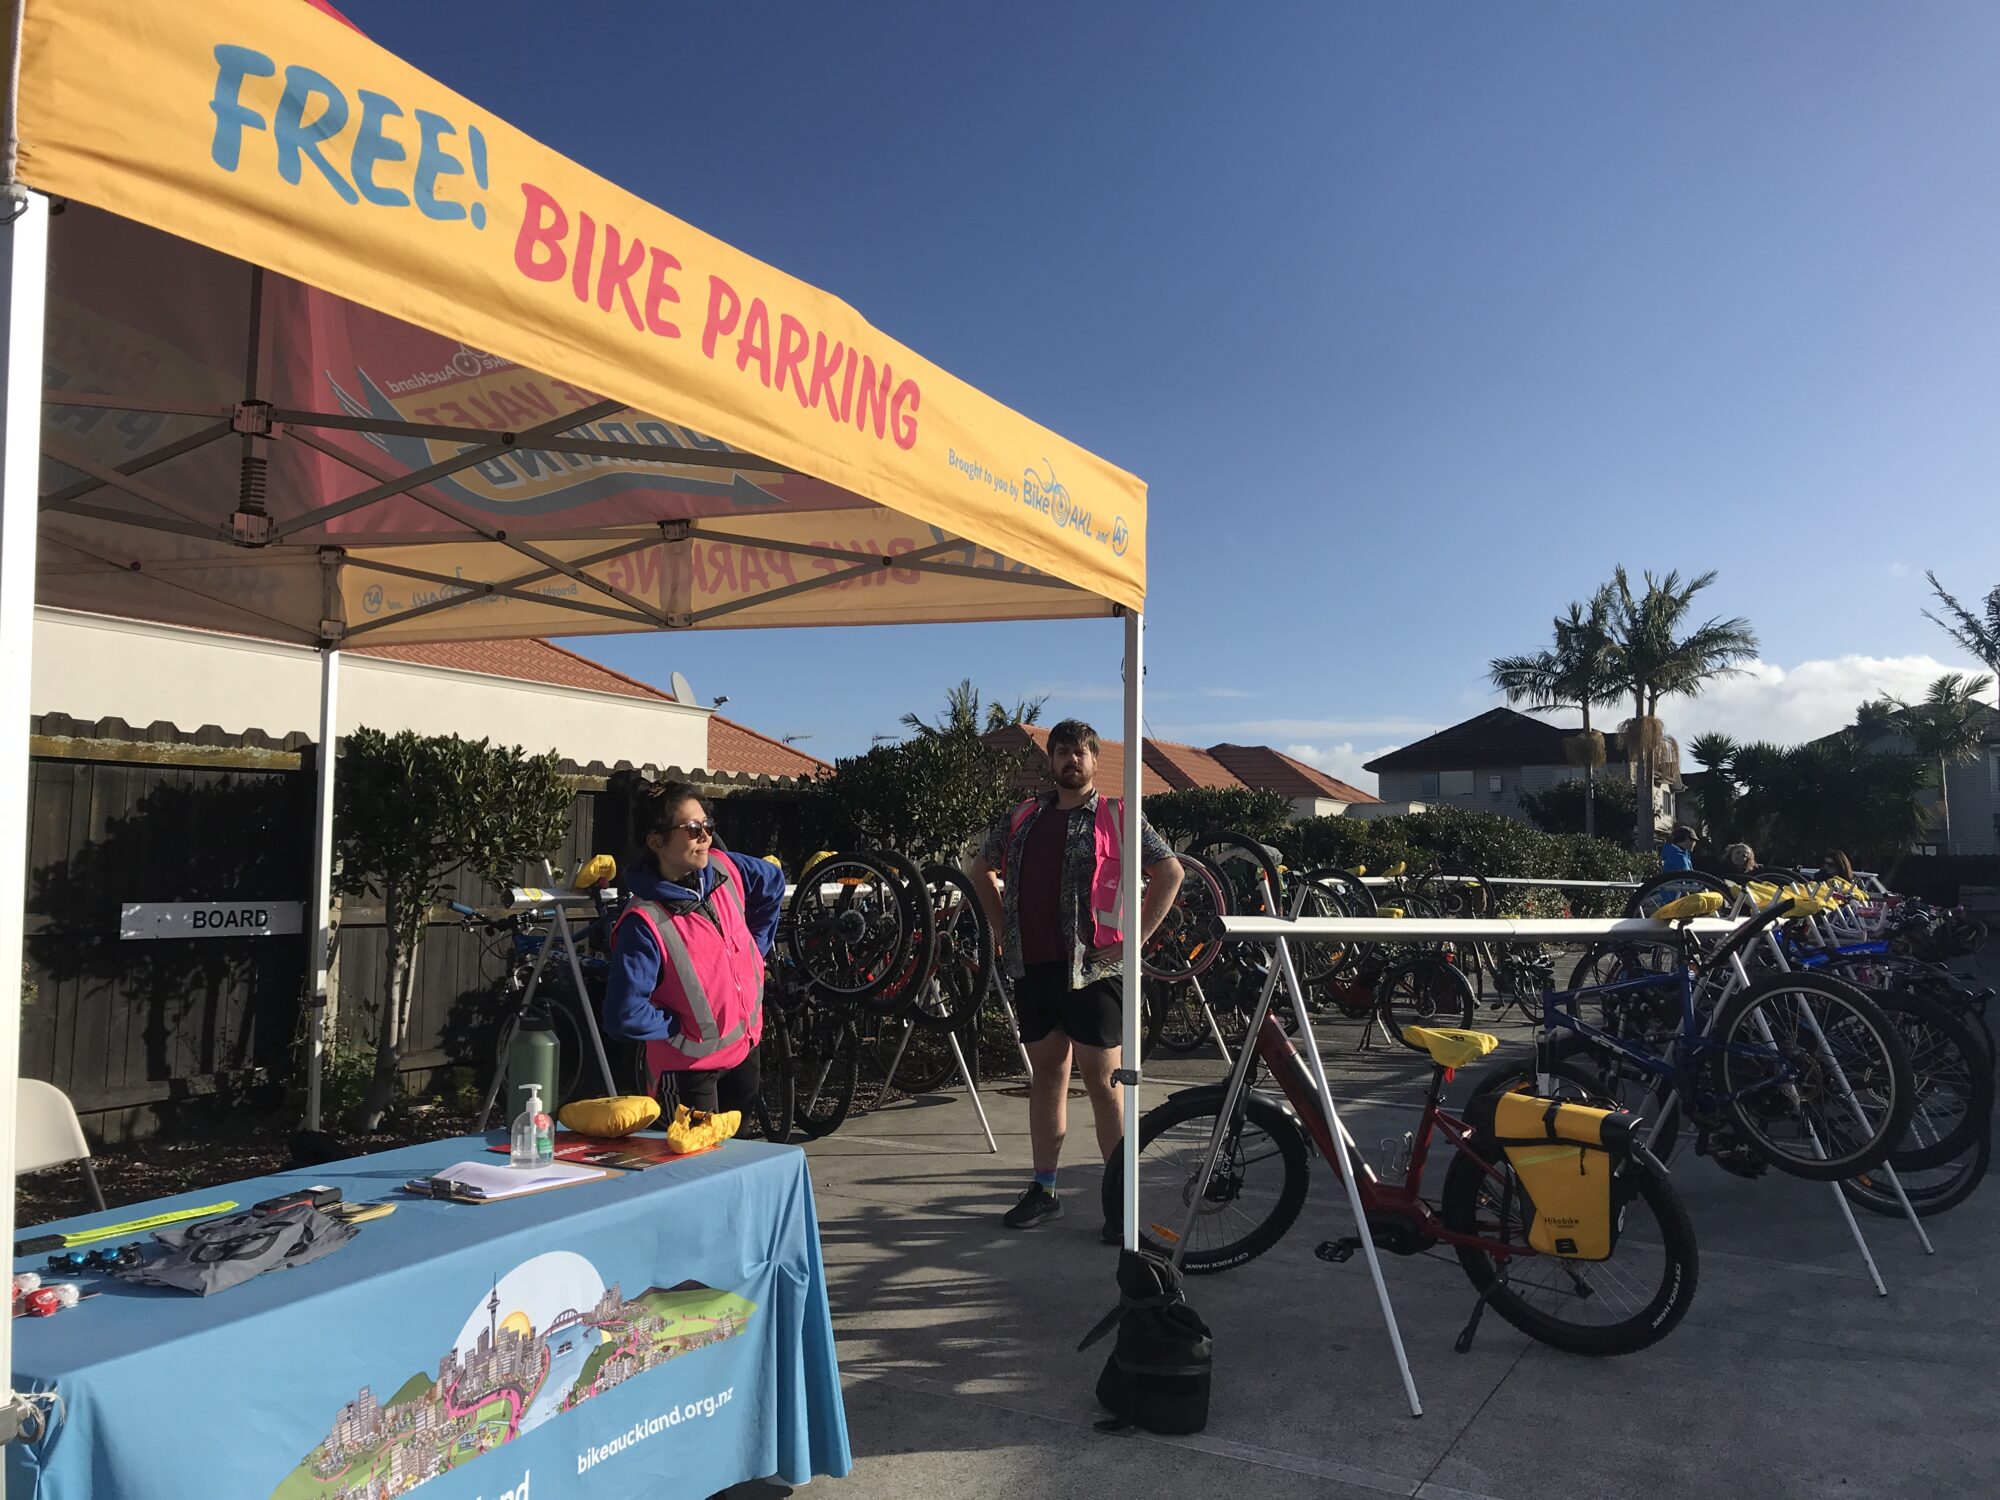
(1463, 1344)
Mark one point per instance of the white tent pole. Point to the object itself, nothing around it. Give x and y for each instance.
(1135, 758)
(26, 247)
(318, 956)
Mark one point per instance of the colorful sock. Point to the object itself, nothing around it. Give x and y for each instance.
(1046, 1180)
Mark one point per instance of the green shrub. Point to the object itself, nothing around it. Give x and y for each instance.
(1180, 817)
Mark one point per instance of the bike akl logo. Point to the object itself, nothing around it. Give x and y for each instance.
(1049, 495)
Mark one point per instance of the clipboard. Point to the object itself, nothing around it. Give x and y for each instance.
(487, 1182)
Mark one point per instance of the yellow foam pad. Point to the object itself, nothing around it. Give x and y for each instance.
(1686, 908)
(1449, 1046)
(694, 1130)
(619, 1115)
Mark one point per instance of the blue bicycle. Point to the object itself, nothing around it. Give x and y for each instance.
(1798, 1071)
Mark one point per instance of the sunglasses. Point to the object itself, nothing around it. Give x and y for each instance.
(702, 828)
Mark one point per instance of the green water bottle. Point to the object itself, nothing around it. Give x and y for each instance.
(534, 1057)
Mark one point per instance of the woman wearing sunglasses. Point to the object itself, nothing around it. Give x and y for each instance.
(687, 970)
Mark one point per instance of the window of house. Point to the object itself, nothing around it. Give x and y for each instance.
(1428, 787)
(1454, 783)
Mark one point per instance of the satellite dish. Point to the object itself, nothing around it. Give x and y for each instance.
(682, 690)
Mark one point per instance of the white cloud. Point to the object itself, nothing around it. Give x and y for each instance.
(1786, 707)
(1342, 760)
(1397, 730)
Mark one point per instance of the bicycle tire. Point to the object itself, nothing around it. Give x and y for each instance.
(1931, 1191)
(1190, 1117)
(1424, 991)
(1877, 1066)
(1466, 895)
(1189, 938)
(1953, 1077)
(854, 943)
(1352, 890)
(1239, 860)
(914, 898)
(1178, 1027)
(827, 1052)
(774, 1077)
(1674, 884)
(1467, 1185)
(962, 951)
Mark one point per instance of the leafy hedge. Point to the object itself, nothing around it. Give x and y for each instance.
(1460, 842)
(1179, 816)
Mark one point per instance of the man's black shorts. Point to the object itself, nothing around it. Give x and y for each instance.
(1092, 1016)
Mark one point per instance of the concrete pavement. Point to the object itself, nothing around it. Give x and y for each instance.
(1789, 1377)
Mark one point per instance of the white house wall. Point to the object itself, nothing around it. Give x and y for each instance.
(95, 667)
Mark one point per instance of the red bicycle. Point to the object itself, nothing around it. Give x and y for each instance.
(1258, 1186)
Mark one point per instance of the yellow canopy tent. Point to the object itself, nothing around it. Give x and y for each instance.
(303, 345)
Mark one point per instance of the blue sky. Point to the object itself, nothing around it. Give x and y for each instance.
(1416, 319)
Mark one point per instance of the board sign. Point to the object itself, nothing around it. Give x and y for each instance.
(210, 919)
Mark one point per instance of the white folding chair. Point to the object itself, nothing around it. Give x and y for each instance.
(47, 1133)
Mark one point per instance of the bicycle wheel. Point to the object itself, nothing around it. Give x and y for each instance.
(1245, 868)
(1189, 937)
(826, 1067)
(1813, 1073)
(774, 1077)
(925, 1066)
(1953, 1077)
(845, 928)
(962, 957)
(914, 899)
(1614, 1306)
(1931, 1190)
(1255, 1194)
(1179, 1028)
(1458, 895)
(1356, 900)
(1671, 885)
(1425, 991)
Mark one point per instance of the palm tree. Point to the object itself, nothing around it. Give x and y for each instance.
(1980, 637)
(1652, 660)
(1877, 717)
(1577, 674)
(1947, 727)
(961, 713)
(1716, 782)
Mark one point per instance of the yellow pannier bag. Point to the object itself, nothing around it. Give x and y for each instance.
(1563, 1156)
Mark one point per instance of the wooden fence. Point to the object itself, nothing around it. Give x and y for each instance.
(136, 1032)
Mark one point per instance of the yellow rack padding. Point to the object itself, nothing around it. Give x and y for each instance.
(1687, 908)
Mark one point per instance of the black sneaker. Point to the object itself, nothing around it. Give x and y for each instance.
(1037, 1206)
(1113, 1232)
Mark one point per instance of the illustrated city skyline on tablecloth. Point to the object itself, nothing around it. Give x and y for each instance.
(547, 1337)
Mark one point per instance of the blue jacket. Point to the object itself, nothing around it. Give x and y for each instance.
(629, 1011)
(1672, 857)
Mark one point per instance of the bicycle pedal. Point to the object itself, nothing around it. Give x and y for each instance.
(1337, 1252)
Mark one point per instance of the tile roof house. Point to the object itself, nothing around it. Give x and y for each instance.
(733, 748)
(1312, 793)
(91, 668)
(1973, 786)
(1173, 767)
(1487, 763)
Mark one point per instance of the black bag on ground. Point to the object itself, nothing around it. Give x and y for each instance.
(1157, 1376)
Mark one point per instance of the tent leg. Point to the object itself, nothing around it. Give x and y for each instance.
(24, 240)
(319, 954)
(1135, 757)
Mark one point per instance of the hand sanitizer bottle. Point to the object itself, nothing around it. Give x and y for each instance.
(533, 1143)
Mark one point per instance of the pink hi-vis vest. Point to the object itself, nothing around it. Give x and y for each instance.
(711, 981)
(1107, 875)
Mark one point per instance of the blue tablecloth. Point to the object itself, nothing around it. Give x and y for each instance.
(661, 1333)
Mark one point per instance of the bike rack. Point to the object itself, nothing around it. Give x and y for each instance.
(1239, 1073)
(964, 1072)
(532, 899)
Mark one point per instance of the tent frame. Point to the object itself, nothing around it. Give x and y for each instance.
(254, 423)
